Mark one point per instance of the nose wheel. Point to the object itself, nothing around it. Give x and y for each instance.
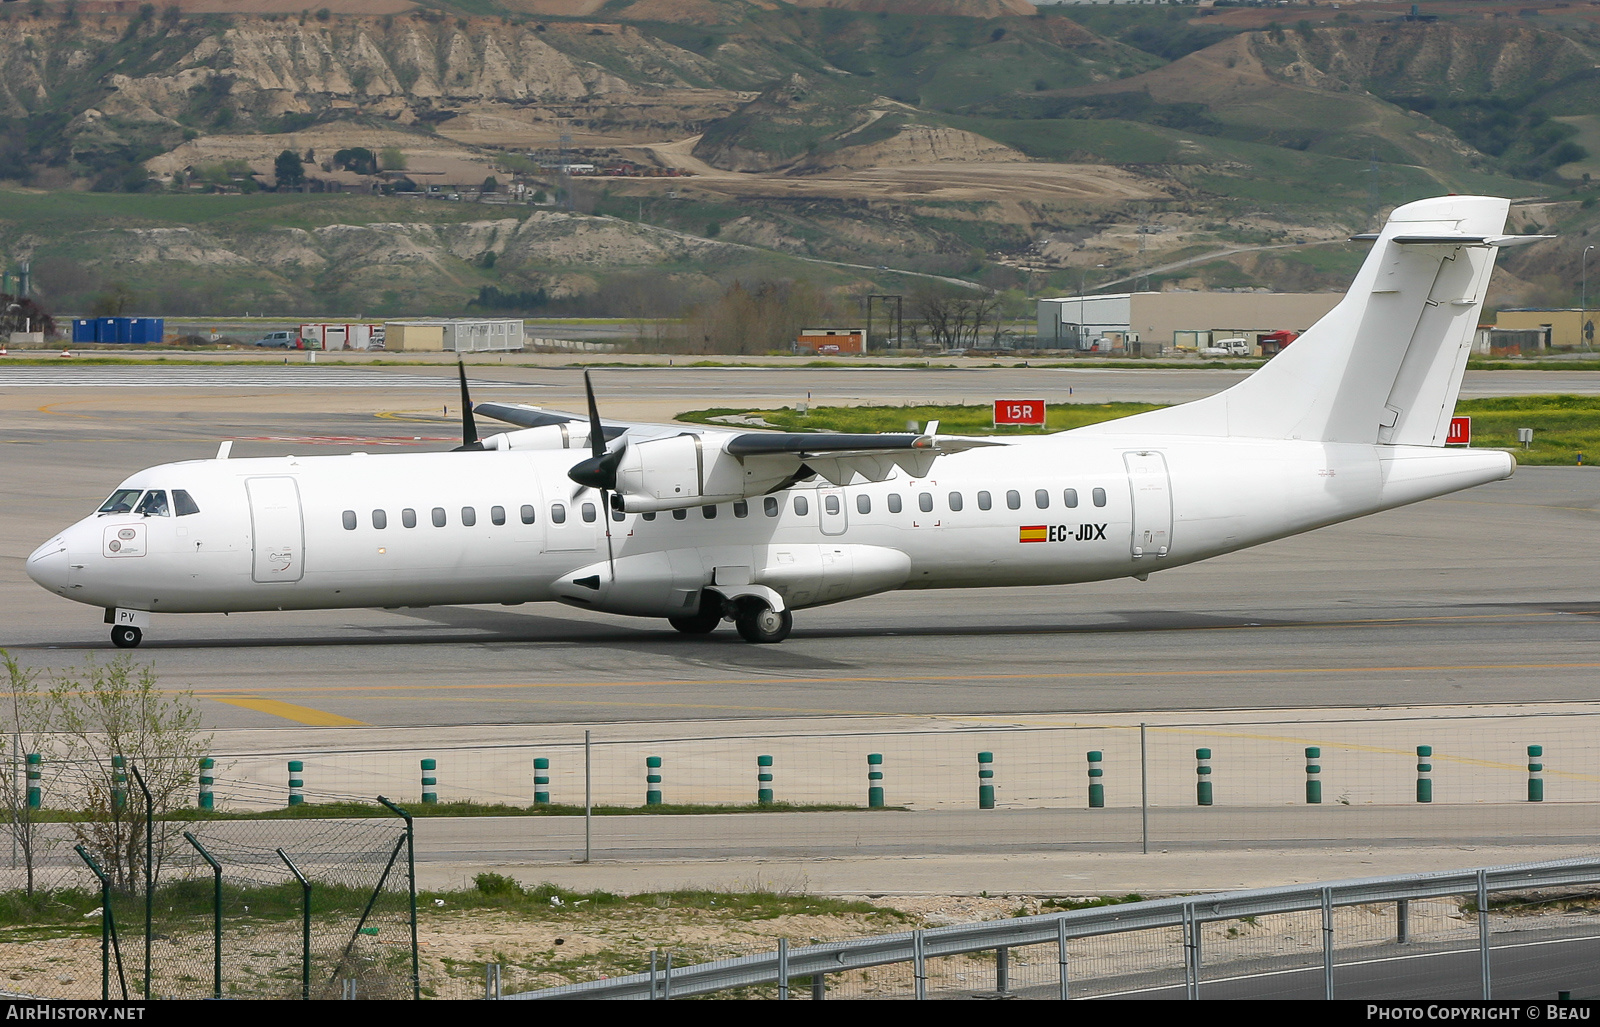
(124, 637)
(759, 623)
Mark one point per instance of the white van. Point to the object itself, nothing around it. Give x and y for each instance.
(279, 340)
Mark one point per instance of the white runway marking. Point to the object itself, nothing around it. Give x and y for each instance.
(101, 376)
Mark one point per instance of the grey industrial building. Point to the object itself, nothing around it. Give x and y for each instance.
(1150, 322)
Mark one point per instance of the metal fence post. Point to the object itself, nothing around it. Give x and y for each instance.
(654, 988)
(411, 887)
(1483, 931)
(1327, 944)
(108, 930)
(149, 871)
(919, 967)
(588, 795)
(216, 914)
(305, 926)
(1144, 792)
(1002, 971)
(666, 978)
(491, 981)
(1191, 953)
(783, 969)
(819, 987)
(1061, 955)
(1402, 922)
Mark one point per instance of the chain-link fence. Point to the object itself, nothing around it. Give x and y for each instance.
(299, 908)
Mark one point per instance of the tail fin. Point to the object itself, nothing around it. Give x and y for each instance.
(1385, 365)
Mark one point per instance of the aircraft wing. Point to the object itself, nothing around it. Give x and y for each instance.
(846, 457)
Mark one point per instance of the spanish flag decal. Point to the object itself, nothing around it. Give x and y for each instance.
(1033, 533)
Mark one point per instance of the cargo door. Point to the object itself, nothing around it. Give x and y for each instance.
(1151, 492)
(277, 530)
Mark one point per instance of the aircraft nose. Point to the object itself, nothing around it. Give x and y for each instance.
(48, 565)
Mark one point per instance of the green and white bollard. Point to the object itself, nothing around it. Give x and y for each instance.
(764, 780)
(430, 783)
(35, 781)
(1313, 772)
(208, 781)
(1097, 788)
(1202, 769)
(541, 780)
(1535, 773)
(875, 780)
(986, 780)
(652, 780)
(297, 784)
(119, 783)
(1424, 773)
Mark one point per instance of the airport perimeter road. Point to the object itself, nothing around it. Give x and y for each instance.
(1488, 596)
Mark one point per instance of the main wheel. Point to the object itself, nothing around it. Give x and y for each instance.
(761, 624)
(705, 621)
(124, 637)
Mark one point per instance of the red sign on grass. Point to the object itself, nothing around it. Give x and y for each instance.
(1018, 411)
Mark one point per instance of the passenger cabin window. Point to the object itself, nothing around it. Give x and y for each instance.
(1041, 498)
(894, 502)
(741, 508)
(769, 506)
(527, 513)
(1070, 497)
(408, 517)
(349, 520)
(1099, 497)
(801, 507)
(438, 517)
(985, 501)
(121, 501)
(469, 516)
(183, 504)
(956, 501)
(709, 512)
(154, 504)
(679, 514)
(925, 502)
(497, 514)
(1013, 500)
(380, 519)
(558, 513)
(864, 503)
(588, 512)
(831, 504)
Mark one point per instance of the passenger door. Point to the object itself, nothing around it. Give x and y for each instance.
(277, 530)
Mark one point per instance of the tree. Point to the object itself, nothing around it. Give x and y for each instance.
(358, 159)
(23, 711)
(22, 314)
(393, 158)
(106, 711)
(288, 171)
(490, 185)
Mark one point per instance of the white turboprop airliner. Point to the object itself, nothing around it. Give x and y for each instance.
(701, 525)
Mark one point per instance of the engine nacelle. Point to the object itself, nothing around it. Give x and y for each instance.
(567, 435)
(692, 470)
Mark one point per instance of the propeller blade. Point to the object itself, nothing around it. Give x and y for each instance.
(469, 426)
(605, 511)
(597, 432)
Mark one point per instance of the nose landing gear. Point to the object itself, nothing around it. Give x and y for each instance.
(124, 637)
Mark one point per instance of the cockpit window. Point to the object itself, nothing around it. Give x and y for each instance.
(154, 504)
(121, 501)
(183, 503)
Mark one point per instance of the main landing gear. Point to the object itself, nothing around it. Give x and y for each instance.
(124, 637)
(757, 622)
